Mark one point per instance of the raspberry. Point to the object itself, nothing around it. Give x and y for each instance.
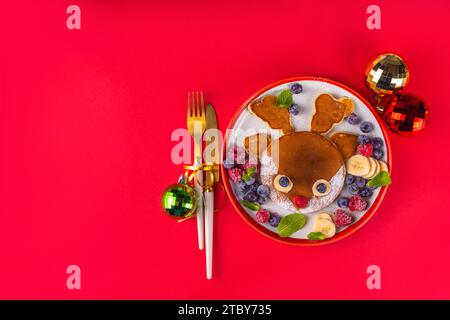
(342, 218)
(357, 203)
(365, 149)
(300, 201)
(251, 163)
(262, 216)
(235, 174)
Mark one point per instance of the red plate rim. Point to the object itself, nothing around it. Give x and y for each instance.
(304, 242)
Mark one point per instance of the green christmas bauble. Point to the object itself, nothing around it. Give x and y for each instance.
(179, 201)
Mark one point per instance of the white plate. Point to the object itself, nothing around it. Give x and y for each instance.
(247, 122)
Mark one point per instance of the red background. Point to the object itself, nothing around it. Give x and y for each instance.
(86, 118)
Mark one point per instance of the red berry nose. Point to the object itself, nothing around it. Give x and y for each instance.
(300, 201)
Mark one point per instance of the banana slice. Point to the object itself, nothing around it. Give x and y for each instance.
(358, 165)
(377, 171)
(325, 216)
(383, 166)
(325, 226)
(321, 188)
(374, 166)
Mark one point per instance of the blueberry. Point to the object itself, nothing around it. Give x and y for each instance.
(363, 139)
(284, 182)
(378, 154)
(294, 109)
(360, 182)
(274, 220)
(261, 200)
(251, 196)
(353, 189)
(377, 143)
(243, 186)
(296, 88)
(342, 202)
(254, 187)
(321, 187)
(263, 190)
(349, 179)
(365, 192)
(366, 127)
(353, 119)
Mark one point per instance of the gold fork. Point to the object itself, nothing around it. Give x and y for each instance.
(196, 124)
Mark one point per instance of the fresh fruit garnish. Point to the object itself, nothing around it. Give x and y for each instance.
(321, 188)
(353, 119)
(377, 143)
(300, 201)
(374, 169)
(262, 216)
(383, 166)
(357, 203)
(342, 218)
(366, 127)
(290, 224)
(363, 139)
(274, 220)
(324, 225)
(296, 88)
(349, 179)
(316, 236)
(282, 183)
(365, 192)
(353, 189)
(261, 200)
(263, 190)
(378, 154)
(342, 202)
(250, 205)
(235, 174)
(294, 109)
(360, 182)
(365, 149)
(358, 165)
(284, 99)
(380, 180)
(250, 196)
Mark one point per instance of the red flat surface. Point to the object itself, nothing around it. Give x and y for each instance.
(86, 118)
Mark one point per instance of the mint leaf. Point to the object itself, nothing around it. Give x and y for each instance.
(250, 205)
(316, 236)
(291, 223)
(251, 171)
(380, 180)
(245, 177)
(284, 99)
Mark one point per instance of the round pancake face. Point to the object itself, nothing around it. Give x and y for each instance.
(303, 158)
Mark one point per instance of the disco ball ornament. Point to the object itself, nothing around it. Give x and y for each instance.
(405, 114)
(179, 201)
(387, 74)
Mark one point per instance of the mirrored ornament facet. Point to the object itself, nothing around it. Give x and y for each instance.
(179, 201)
(405, 114)
(387, 74)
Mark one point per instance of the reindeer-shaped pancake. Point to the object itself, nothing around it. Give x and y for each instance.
(305, 170)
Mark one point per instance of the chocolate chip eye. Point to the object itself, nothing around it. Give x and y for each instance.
(321, 188)
(282, 183)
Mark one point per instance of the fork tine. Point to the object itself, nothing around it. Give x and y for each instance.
(202, 104)
(197, 106)
(189, 113)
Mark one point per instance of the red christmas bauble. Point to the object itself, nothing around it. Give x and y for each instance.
(405, 114)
